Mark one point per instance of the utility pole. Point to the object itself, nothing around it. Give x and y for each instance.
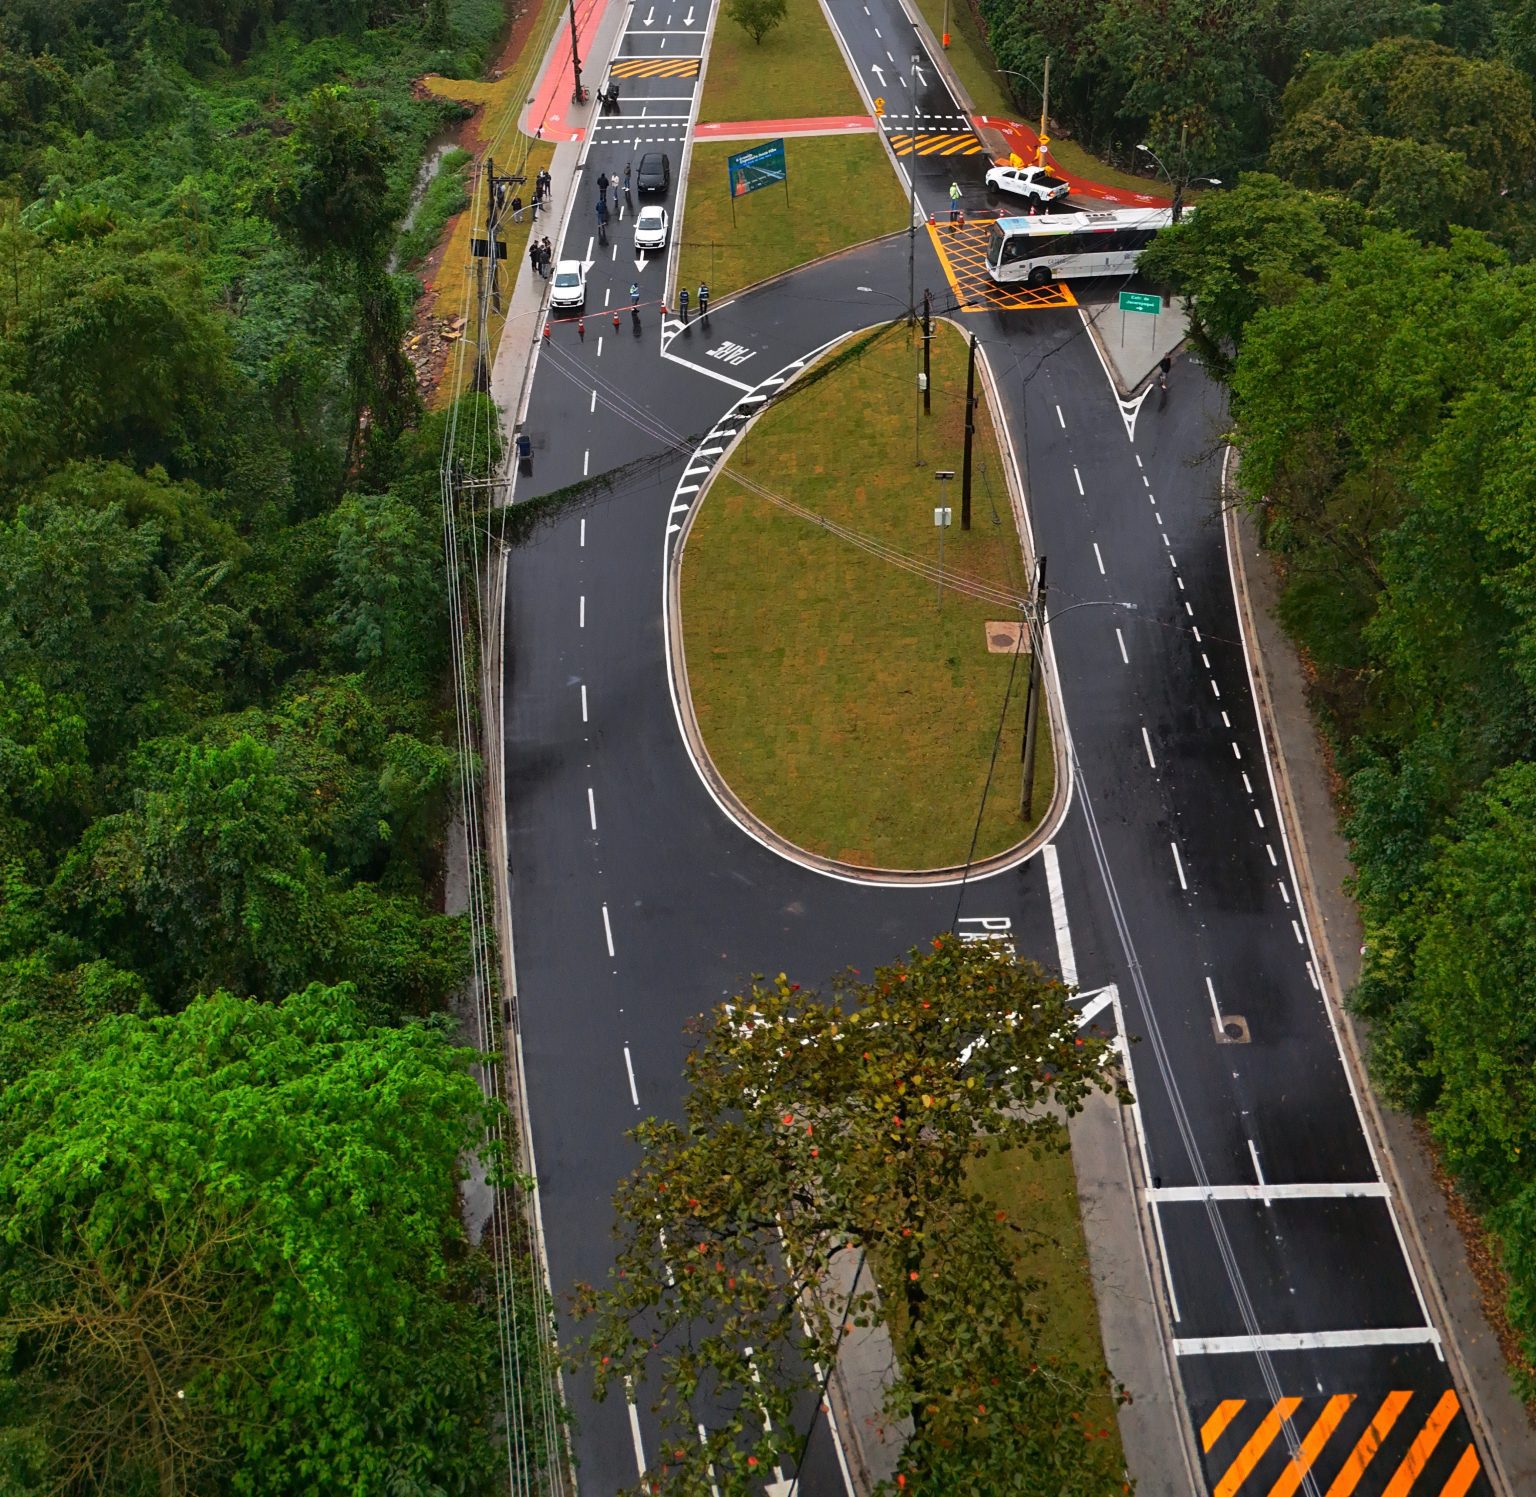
(575, 58)
(1045, 104)
(1035, 623)
(482, 313)
(927, 346)
(970, 433)
(1178, 186)
(912, 204)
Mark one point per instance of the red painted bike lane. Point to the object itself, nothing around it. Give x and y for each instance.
(548, 116)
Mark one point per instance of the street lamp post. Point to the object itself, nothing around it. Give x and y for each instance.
(1045, 104)
(1184, 180)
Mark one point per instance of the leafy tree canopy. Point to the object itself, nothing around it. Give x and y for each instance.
(230, 1256)
(844, 1125)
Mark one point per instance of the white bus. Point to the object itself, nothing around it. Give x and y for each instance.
(1052, 246)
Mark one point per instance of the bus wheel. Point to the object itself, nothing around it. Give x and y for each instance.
(1039, 276)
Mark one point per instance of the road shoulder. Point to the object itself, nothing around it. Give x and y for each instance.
(1505, 1435)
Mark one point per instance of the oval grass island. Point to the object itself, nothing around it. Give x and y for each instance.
(850, 705)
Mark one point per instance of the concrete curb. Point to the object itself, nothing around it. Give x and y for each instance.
(1431, 1240)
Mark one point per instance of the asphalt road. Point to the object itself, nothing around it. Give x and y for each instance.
(637, 904)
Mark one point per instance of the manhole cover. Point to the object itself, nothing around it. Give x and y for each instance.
(1004, 638)
(1233, 1030)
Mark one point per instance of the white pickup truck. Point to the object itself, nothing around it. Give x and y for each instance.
(1027, 182)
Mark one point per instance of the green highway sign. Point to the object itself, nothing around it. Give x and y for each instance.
(1139, 301)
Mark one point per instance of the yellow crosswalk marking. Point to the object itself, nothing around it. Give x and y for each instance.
(1316, 1437)
(656, 67)
(1369, 1443)
(1214, 1427)
(1258, 1442)
(1423, 1445)
(948, 144)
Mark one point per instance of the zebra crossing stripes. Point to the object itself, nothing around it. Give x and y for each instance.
(946, 143)
(655, 67)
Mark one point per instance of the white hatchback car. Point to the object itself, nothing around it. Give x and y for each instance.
(651, 228)
(569, 287)
(1028, 182)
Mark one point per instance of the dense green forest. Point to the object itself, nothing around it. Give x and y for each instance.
(232, 1116)
(1371, 304)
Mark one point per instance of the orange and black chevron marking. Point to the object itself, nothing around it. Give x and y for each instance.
(963, 254)
(655, 67)
(1406, 1444)
(949, 143)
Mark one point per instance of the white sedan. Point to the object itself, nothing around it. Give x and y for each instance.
(569, 288)
(651, 228)
(1028, 182)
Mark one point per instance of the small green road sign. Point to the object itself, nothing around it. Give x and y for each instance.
(1139, 301)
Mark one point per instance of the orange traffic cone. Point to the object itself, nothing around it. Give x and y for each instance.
(581, 328)
(546, 329)
(615, 316)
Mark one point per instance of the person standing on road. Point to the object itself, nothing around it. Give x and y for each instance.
(703, 299)
(634, 295)
(626, 179)
(954, 200)
(1164, 364)
(602, 184)
(682, 304)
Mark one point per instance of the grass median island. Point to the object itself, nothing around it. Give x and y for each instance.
(841, 192)
(796, 71)
(841, 188)
(843, 705)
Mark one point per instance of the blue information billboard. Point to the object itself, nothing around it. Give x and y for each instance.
(762, 166)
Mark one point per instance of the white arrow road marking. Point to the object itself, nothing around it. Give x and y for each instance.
(688, 19)
(650, 16)
(641, 262)
(920, 78)
(878, 72)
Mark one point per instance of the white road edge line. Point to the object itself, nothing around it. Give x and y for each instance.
(634, 1429)
(1162, 1247)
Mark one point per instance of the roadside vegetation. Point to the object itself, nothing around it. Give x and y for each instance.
(232, 1114)
(847, 707)
(1370, 301)
(796, 70)
(831, 1138)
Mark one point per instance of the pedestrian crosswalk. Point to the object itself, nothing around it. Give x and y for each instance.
(1404, 1443)
(655, 67)
(944, 143)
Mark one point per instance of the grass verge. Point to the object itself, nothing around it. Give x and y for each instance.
(795, 71)
(1040, 1196)
(841, 192)
(841, 703)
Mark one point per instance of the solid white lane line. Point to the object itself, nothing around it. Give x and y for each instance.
(600, 336)
(1098, 556)
(714, 1490)
(1215, 1346)
(1120, 639)
(1312, 975)
(629, 1066)
(607, 930)
(1273, 861)
(1079, 477)
(634, 1429)
(586, 459)
(592, 816)
(1210, 988)
(1178, 866)
(593, 407)
(1062, 421)
(1253, 1153)
(1162, 1248)
(583, 701)
(1064, 956)
(584, 529)
(1329, 1190)
(581, 613)
(1147, 744)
